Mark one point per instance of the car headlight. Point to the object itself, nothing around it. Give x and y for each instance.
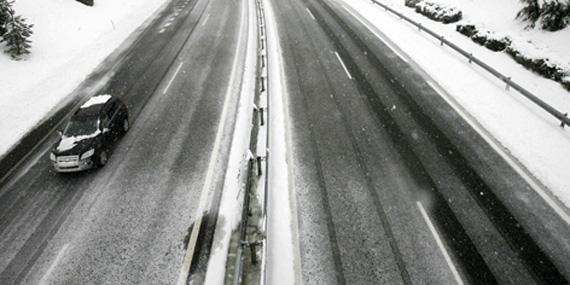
(52, 156)
(87, 154)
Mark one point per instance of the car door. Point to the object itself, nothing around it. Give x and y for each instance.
(114, 120)
(106, 127)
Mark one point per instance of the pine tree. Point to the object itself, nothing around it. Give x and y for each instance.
(14, 31)
(555, 15)
(16, 37)
(552, 15)
(4, 12)
(530, 12)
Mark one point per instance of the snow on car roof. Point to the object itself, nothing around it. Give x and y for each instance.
(95, 100)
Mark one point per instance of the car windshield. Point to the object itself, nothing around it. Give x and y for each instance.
(81, 128)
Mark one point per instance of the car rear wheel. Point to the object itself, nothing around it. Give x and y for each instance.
(102, 158)
(126, 126)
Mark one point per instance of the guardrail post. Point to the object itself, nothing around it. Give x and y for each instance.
(470, 58)
(507, 81)
(258, 159)
(562, 124)
(262, 82)
(442, 38)
(253, 253)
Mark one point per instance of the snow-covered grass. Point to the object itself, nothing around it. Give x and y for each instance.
(525, 131)
(70, 40)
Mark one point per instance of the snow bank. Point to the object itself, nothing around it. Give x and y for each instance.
(69, 41)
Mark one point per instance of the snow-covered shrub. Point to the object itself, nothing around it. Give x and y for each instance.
(479, 38)
(497, 44)
(14, 31)
(485, 38)
(438, 12)
(542, 66)
(521, 53)
(552, 15)
(467, 30)
(86, 2)
(412, 3)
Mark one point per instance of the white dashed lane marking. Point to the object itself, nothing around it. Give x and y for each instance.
(172, 79)
(343, 66)
(311, 14)
(205, 20)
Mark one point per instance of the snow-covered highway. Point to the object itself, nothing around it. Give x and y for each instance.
(128, 223)
(372, 176)
(392, 185)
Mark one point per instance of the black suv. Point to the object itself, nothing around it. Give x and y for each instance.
(87, 138)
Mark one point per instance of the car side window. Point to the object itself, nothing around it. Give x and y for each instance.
(112, 109)
(104, 121)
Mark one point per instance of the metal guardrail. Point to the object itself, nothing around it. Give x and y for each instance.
(563, 117)
(255, 172)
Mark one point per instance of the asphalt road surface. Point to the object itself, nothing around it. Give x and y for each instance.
(128, 222)
(392, 185)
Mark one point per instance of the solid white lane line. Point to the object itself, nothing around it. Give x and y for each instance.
(376, 34)
(343, 66)
(440, 243)
(172, 78)
(56, 261)
(434, 87)
(205, 20)
(311, 14)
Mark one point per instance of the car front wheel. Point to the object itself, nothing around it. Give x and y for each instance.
(102, 158)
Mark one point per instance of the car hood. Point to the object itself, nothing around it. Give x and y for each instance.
(74, 145)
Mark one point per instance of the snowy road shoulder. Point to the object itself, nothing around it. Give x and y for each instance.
(523, 130)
